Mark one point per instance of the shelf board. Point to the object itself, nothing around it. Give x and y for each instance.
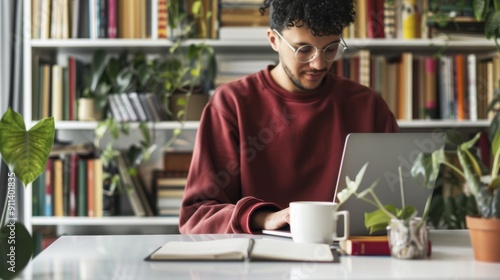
(104, 221)
(475, 43)
(443, 124)
(417, 44)
(78, 125)
(193, 125)
(140, 44)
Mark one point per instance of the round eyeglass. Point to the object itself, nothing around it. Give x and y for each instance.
(308, 53)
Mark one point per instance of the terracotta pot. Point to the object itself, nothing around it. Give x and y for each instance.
(485, 238)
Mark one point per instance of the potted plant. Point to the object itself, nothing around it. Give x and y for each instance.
(26, 153)
(185, 71)
(93, 93)
(408, 234)
(483, 184)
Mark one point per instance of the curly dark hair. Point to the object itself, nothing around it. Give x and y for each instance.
(323, 17)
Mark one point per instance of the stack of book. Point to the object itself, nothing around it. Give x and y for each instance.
(236, 16)
(169, 183)
(134, 107)
(369, 246)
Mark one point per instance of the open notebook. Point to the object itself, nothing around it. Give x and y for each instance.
(239, 249)
(384, 152)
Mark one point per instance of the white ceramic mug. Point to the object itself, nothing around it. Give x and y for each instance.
(316, 222)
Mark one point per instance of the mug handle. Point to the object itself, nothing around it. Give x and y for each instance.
(346, 225)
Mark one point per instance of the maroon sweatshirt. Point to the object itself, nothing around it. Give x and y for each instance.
(260, 146)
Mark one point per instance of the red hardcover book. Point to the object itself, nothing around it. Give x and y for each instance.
(375, 19)
(48, 189)
(73, 183)
(369, 246)
(90, 188)
(112, 31)
(460, 80)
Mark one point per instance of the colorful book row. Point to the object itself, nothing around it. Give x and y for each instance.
(69, 186)
(457, 87)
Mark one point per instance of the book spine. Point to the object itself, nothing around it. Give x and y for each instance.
(48, 188)
(82, 188)
(369, 248)
(112, 31)
(471, 60)
(73, 182)
(136, 104)
(90, 187)
(103, 18)
(410, 18)
(58, 188)
(389, 19)
(162, 19)
(431, 91)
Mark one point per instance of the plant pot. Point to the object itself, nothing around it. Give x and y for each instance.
(196, 104)
(88, 110)
(485, 238)
(408, 239)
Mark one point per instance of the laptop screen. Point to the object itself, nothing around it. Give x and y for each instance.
(385, 153)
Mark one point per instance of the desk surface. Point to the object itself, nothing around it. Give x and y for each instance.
(121, 257)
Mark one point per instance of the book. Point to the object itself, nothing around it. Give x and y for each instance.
(366, 245)
(244, 249)
(369, 246)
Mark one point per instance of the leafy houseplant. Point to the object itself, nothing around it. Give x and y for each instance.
(182, 71)
(408, 235)
(26, 153)
(483, 185)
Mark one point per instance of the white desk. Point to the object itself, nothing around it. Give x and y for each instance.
(121, 257)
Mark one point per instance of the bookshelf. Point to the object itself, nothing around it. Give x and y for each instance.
(258, 48)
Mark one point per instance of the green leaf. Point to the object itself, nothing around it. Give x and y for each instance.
(406, 213)
(378, 219)
(23, 246)
(492, 27)
(145, 133)
(426, 167)
(97, 68)
(25, 152)
(123, 80)
(495, 183)
(196, 8)
(113, 69)
(144, 73)
(495, 149)
(480, 8)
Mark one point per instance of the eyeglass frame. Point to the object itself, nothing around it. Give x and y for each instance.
(295, 50)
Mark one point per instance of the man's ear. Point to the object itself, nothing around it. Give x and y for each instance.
(273, 39)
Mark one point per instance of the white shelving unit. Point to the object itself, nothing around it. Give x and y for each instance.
(259, 47)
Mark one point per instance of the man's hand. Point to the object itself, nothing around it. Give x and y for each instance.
(270, 220)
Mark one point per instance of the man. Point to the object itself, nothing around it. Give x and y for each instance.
(277, 136)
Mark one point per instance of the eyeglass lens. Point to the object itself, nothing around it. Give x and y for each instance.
(331, 53)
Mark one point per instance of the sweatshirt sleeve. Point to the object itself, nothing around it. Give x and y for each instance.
(213, 201)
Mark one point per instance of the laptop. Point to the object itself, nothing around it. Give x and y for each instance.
(384, 152)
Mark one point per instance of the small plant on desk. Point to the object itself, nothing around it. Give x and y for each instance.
(408, 234)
